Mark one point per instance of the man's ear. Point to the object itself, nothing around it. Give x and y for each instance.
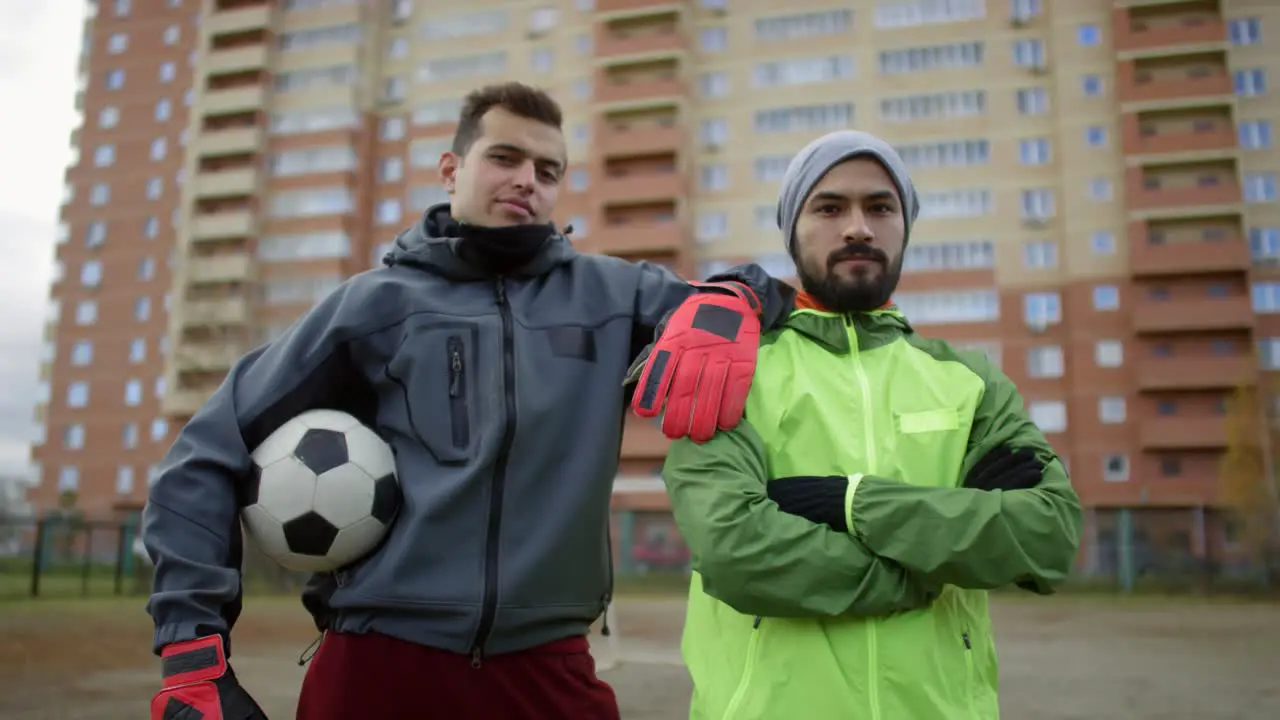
(450, 162)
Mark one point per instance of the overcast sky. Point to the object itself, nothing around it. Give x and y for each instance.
(39, 42)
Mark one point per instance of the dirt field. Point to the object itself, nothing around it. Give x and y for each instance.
(1065, 658)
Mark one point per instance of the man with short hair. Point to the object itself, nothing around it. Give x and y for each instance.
(490, 355)
(845, 534)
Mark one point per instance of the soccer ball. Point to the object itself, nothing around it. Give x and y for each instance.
(323, 493)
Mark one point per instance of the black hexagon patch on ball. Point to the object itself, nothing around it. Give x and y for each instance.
(322, 450)
(310, 534)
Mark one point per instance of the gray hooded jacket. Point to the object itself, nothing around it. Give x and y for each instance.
(502, 400)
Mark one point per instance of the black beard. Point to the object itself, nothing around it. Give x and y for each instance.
(857, 295)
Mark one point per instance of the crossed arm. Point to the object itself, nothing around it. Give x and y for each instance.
(904, 541)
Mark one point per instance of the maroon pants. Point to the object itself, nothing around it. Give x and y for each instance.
(376, 677)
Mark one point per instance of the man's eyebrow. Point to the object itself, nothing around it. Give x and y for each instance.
(557, 164)
(882, 195)
(828, 196)
(833, 196)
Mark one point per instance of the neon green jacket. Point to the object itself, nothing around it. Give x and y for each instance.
(791, 620)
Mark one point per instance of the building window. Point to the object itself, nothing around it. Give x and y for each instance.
(1035, 151)
(712, 226)
(714, 178)
(713, 85)
(1260, 187)
(1250, 82)
(1111, 410)
(1042, 309)
(1033, 101)
(1088, 35)
(1102, 242)
(1049, 416)
(1269, 353)
(73, 436)
(1245, 31)
(86, 312)
(388, 211)
(1045, 362)
(82, 353)
(1106, 297)
(713, 39)
(124, 480)
(1115, 467)
(78, 394)
(1254, 134)
(133, 393)
(1108, 353)
(1040, 255)
(1091, 85)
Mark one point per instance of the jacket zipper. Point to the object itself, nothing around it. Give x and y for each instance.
(968, 666)
(864, 388)
(457, 393)
(490, 606)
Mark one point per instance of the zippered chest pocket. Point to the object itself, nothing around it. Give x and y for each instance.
(434, 370)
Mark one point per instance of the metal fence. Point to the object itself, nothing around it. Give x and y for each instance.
(1171, 550)
(58, 556)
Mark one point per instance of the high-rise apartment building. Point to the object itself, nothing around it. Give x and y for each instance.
(1098, 182)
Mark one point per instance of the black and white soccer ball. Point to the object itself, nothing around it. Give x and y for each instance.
(324, 492)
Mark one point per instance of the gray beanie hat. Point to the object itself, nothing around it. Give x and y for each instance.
(817, 158)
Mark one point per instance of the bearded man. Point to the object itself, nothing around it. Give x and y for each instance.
(845, 534)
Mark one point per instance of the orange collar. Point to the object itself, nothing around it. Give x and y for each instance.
(805, 301)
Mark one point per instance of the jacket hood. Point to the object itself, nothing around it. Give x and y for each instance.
(438, 244)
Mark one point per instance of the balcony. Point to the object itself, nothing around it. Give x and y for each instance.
(617, 140)
(1186, 83)
(225, 183)
(643, 438)
(1200, 433)
(233, 100)
(223, 226)
(645, 238)
(639, 8)
(1153, 33)
(227, 22)
(1148, 259)
(220, 312)
(1193, 316)
(233, 61)
(207, 356)
(638, 88)
(1195, 373)
(217, 269)
(620, 41)
(184, 403)
(227, 142)
(640, 188)
(1204, 134)
(1185, 188)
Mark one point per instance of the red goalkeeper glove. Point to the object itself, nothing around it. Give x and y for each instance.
(199, 685)
(698, 372)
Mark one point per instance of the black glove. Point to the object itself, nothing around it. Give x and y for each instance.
(1004, 468)
(199, 685)
(817, 499)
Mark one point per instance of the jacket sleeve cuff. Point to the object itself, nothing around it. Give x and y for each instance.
(849, 492)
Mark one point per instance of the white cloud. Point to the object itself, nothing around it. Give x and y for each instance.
(38, 60)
